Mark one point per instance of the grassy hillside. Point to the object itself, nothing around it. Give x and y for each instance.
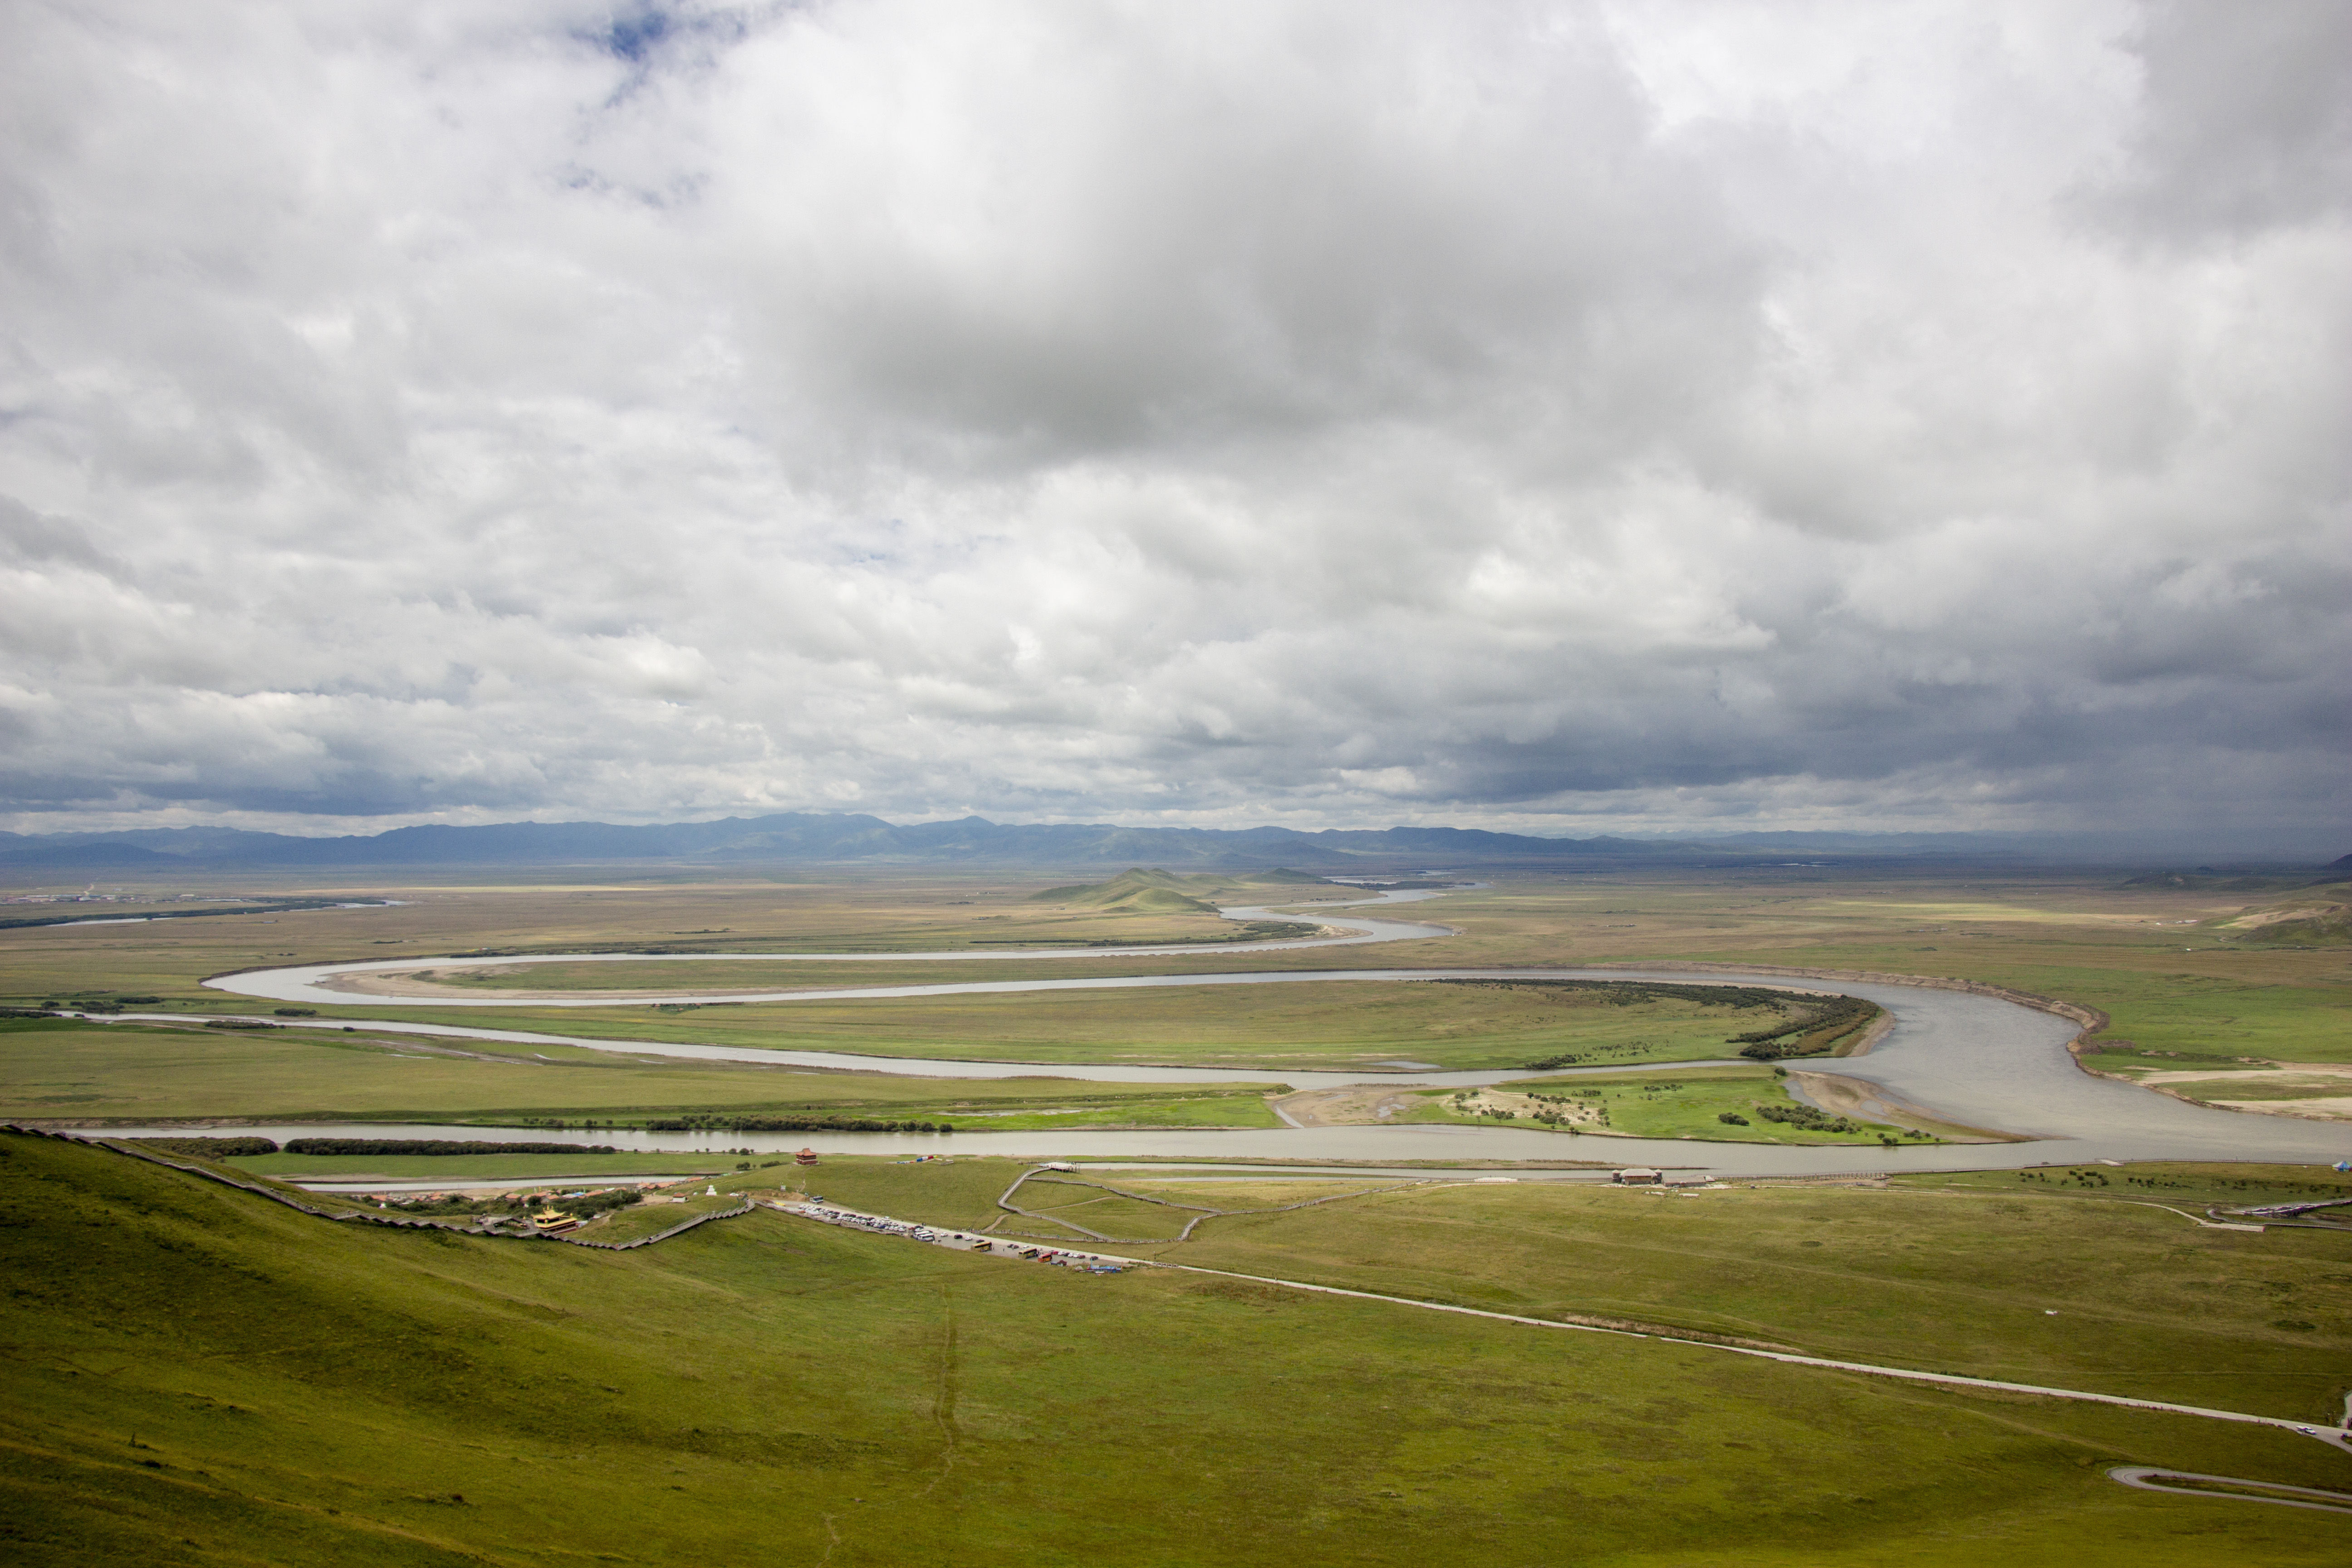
(1138, 891)
(195, 1376)
(2320, 917)
(1155, 891)
(1994, 1274)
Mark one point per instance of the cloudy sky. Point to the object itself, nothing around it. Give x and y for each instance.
(1564, 417)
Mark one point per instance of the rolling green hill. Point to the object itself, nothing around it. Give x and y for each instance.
(1137, 890)
(2321, 917)
(196, 1376)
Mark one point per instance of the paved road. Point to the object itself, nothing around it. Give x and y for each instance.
(2148, 1478)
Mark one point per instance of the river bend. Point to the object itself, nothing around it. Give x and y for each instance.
(1974, 1060)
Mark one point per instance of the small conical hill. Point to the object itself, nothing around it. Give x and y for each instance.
(1133, 891)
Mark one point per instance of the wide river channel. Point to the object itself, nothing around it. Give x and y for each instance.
(1976, 1060)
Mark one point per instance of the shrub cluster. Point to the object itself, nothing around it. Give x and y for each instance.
(588, 1205)
(1808, 1118)
(2087, 1178)
(434, 1146)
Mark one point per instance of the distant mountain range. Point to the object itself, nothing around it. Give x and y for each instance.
(816, 838)
(801, 838)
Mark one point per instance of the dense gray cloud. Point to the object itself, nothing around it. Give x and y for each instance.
(1552, 416)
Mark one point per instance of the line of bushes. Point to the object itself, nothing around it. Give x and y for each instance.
(294, 905)
(434, 1146)
(208, 1148)
(793, 1124)
(1627, 993)
(80, 1004)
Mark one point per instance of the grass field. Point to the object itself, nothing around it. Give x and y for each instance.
(1951, 1274)
(2158, 1181)
(1325, 1026)
(61, 1069)
(2122, 949)
(199, 1377)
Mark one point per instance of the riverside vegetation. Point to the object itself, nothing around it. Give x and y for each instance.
(1692, 1102)
(198, 1376)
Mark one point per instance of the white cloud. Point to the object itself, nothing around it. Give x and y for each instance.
(1923, 415)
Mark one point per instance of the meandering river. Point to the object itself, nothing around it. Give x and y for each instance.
(1976, 1061)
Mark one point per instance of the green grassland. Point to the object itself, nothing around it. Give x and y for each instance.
(2195, 987)
(58, 1070)
(1690, 1102)
(1453, 1023)
(1250, 1028)
(1169, 1110)
(1949, 1274)
(1138, 889)
(196, 1377)
(2158, 1181)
